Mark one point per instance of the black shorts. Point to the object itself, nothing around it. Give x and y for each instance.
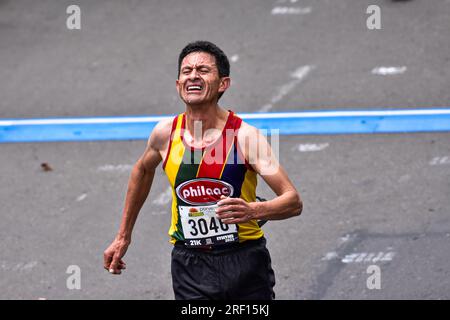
(241, 272)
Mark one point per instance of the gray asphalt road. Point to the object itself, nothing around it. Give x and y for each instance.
(369, 199)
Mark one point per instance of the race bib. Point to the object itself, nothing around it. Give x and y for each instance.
(202, 228)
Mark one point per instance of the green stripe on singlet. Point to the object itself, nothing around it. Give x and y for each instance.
(186, 171)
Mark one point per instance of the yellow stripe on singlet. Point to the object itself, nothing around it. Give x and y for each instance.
(249, 230)
(174, 159)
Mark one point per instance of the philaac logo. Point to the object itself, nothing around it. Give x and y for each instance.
(203, 191)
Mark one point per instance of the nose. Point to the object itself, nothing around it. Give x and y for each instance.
(193, 75)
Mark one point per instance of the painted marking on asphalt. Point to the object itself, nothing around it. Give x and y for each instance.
(312, 147)
(378, 257)
(96, 120)
(115, 168)
(164, 198)
(345, 238)
(290, 10)
(354, 113)
(21, 266)
(330, 256)
(368, 257)
(298, 76)
(257, 115)
(388, 256)
(234, 58)
(288, 123)
(81, 197)
(25, 266)
(388, 71)
(436, 161)
(361, 257)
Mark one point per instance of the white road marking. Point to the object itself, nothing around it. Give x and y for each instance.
(327, 114)
(361, 257)
(298, 76)
(368, 257)
(21, 266)
(388, 256)
(29, 265)
(82, 197)
(234, 58)
(388, 71)
(120, 167)
(96, 120)
(291, 10)
(330, 256)
(312, 147)
(260, 115)
(350, 257)
(378, 257)
(164, 198)
(440, 161)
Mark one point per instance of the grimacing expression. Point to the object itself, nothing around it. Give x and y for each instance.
(199, 81)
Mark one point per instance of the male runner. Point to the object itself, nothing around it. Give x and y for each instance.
(212, 159)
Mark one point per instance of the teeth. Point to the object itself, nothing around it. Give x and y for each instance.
(194, 88)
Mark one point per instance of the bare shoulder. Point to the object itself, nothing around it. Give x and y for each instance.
(247, 131)
(257, 149)
(160, 135)
(248, 139)
(156, 145)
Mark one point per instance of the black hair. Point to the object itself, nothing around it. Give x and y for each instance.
(222, 63)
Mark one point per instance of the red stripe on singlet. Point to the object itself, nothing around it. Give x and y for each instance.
(174, 125)
(212, 164)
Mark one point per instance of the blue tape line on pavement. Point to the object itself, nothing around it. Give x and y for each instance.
(288, 123)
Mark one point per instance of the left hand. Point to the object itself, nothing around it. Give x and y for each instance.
(235, 210)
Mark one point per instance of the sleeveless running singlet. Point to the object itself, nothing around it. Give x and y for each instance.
(198, 177)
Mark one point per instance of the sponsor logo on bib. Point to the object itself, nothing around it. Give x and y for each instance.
(193, 212)
(203, 191)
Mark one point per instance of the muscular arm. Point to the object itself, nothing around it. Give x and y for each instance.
(287, 203)
(261, 157)
(264, 161)
(139, 185)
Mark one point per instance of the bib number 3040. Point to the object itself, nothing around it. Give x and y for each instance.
(201, 227)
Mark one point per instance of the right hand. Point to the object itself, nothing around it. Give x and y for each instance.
(112, 257)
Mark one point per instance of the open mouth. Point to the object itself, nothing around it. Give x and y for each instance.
(194, 88)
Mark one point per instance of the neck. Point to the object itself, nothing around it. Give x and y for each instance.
(210, 116)
(201, 118)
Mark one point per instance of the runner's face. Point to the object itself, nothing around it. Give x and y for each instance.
(199, 80)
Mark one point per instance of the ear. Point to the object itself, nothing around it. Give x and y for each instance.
(177, 84)
(225, 83)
